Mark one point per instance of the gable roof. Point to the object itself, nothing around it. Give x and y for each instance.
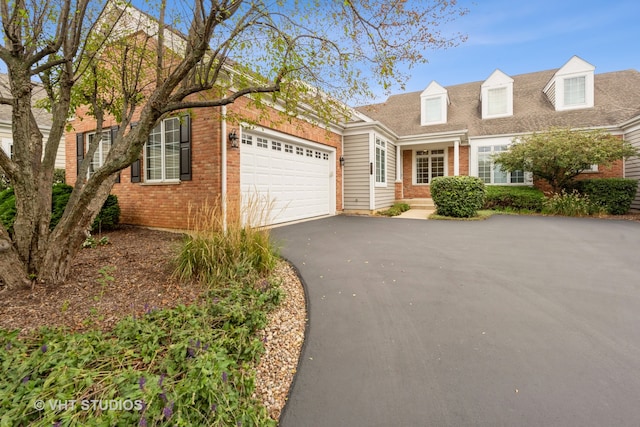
(617, 99)
(43, 117)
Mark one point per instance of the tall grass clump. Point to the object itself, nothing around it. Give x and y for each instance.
(572, 204)
(215, 252)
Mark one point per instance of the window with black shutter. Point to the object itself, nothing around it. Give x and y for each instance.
(79, 151)
(135, 166)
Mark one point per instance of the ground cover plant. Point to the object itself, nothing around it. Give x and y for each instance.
(395, 210)
(191, 364)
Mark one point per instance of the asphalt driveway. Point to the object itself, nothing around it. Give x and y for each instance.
(512, 321)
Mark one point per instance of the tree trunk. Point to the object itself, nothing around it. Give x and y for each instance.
(66, 239)
(12, 271)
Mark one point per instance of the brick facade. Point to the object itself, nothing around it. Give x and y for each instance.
(410, 191)
(166, 205)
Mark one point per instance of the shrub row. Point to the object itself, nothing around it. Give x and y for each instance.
(458, 196)
(108, 217)
(614, 195)
(503, 197)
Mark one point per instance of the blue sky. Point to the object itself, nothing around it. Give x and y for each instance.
(526, 36)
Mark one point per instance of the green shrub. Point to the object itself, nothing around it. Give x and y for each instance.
(613, 194)
(503, 197)
(108, 217)
(571, 204)
(59, 176)
(395, 210)
(458, 196)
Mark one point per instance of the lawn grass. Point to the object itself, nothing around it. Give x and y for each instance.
(482, 215)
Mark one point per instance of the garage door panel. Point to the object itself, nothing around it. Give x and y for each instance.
(296, 182)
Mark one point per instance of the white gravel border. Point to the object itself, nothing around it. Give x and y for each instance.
(283, 338)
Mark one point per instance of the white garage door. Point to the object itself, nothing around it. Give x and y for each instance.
(289, 180)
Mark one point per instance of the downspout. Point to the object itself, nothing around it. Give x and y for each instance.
(223, 167)
(341, 175)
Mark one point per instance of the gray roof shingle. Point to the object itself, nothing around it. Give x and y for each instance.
(617, 99)
(42, 116)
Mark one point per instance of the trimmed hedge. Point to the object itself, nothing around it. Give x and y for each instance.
(108, 217)
(504, 197)
(458, 196)
(613, 194)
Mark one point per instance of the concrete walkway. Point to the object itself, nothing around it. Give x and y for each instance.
(512, 321)
(415, 214)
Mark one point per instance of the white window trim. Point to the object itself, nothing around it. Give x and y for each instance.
(383, 148)
(99, 149)
(414, 169)
(443, 110)
(528, 178)
(162, 159)
(588, 92)
(509, 101)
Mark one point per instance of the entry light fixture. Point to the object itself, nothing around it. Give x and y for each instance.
(233, 138)
(341, 161)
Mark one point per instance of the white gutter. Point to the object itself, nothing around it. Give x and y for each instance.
(223, 168)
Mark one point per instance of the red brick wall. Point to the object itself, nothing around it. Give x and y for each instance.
(616, 170)
(411, 191)
(166, 205)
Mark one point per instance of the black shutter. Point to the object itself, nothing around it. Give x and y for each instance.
(185, 148)
(135, 166)
(114, 134)
(79, 151)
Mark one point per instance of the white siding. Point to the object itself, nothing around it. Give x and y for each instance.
(356, 172)
(385, 196)
(632, 165)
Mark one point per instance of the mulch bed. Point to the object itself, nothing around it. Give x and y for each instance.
(139, 262)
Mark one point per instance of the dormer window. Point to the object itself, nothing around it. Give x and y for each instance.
(433, 110)
(574, 91)
(496, 96)
(497, 101)
(434, 101)
(571, 87)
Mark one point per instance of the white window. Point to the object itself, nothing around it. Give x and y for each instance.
(572, 86)
(162, 152)
(288, 148)
(496, 96)
(262, 142)
(429, 165)
(276, 145)
(433, 110)
(574, 91)
(104, 145)
(497, 99)
(433, 105)
(247, 139)
(299, 151)
(491, 173)
(381, 162)
(7, 147)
